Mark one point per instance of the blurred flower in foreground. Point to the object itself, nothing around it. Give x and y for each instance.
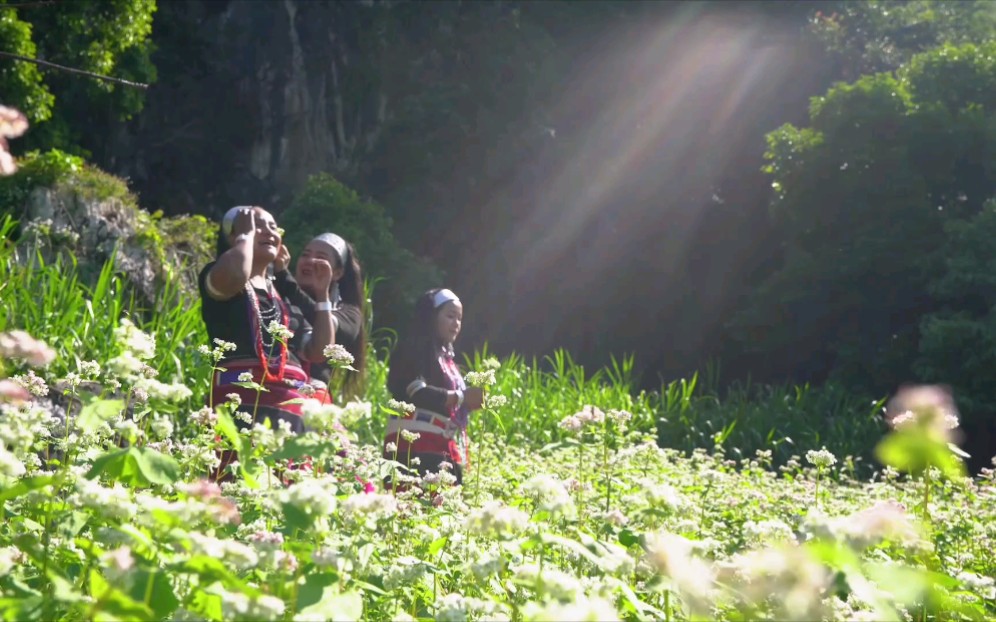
(927, 407)
(18, 344)
(924, 420)
(13, 392)
(12, 124)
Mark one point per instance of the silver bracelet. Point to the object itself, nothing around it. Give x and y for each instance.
(459, 395)
(242, 236)
(323, 306)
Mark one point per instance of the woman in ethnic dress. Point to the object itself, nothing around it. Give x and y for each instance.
(345, 303)
(424, 373)
(239, 304)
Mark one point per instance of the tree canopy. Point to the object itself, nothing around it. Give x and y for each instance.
(98, 36)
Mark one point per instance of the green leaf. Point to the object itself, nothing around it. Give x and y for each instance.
(628, 538)
(113, 604)
(64, 591)
(437, 545)
(294, 519)
(912, 451)
(96, 412)
(336, 605)
(25, 485)
(313, 589)
(21, 609)
(136, 466)
(206, 604)
(154, 588)
(210, 570)
(306, 446)
(227, 429)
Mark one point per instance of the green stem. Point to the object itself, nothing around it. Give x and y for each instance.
(581, 479)
(605, 470)
(816, 493)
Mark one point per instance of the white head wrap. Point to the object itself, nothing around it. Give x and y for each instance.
(229, 219)
(442, 297)
(337, 244)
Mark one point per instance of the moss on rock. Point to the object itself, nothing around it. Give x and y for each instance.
(64, 205)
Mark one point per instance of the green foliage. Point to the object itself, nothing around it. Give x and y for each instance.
(958, 341)
(191, 238)
(36, 170)
(595, 527)
(103, 37)
(121, 525)
(325, 204)
(21, 83)
(865, 200)
(881, 35)
(79, 317)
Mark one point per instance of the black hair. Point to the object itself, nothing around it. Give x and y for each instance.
(421, 340)
(351, 293)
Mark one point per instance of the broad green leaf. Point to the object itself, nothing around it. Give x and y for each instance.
(627, 538)
(227, 429)
(437, 545)
(306, 446)
(155, 590)
(114, 605)
(96, 412)
(157, 467)
(336, 605)
(26, 485)
(294, 519)
(206, 604)
(136, 466)
(313, 589)
(63, 590)
(211, 570)
(912, 451)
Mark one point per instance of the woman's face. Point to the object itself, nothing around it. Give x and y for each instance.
(267, 239)
(449, 318)
(304, 272)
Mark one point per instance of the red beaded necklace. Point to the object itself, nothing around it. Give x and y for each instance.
(257, 320)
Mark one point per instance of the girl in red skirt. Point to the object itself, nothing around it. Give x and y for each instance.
(424, 373)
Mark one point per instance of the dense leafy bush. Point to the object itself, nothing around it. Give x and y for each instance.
(325, 204)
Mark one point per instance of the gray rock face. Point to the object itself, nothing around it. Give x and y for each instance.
(96, 229)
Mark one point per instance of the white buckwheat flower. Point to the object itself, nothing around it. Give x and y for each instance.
(496, 520)
(279, 331)
(337, 355)
(821, 459)
(401, 407)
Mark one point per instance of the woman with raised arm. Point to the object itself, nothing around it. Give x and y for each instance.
(240, 305)
(423, 372)
(345, 302)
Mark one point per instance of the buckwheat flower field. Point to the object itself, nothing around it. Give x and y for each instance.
(573, 507)
(109, 513)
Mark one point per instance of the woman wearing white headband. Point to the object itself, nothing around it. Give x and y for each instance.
(423, 372)
(240, 305)
(345, 295)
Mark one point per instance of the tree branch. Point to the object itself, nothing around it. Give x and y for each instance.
(89, 74)
(24, 5)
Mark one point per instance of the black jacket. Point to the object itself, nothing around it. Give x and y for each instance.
(416, 377)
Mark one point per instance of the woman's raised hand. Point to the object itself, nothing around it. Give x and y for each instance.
(244, 223)
(323, 276)
(473, 398)
(282, 262)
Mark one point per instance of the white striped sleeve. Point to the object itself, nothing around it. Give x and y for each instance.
(415, 387)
